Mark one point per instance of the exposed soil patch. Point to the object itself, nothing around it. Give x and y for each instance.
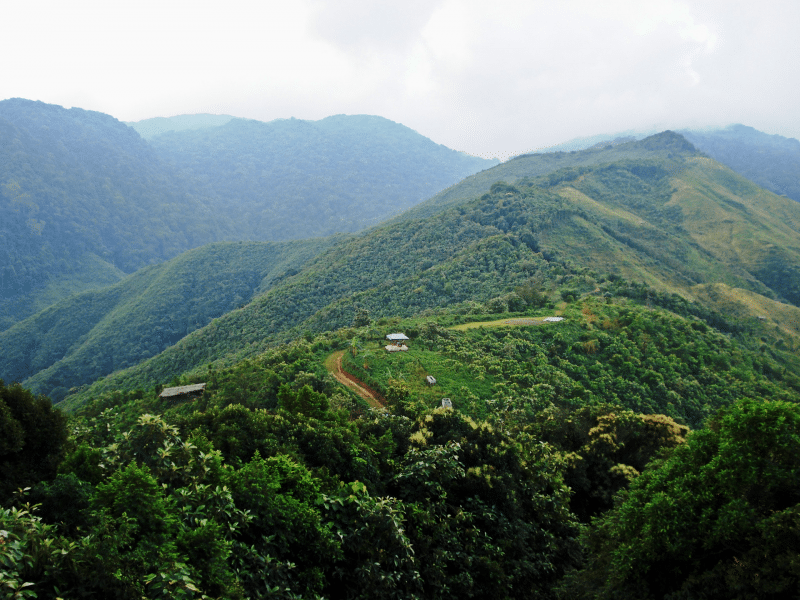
(334, 365)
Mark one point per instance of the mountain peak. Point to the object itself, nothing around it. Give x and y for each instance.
(668, 140)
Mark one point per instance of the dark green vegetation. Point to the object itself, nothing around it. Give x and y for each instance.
(278, 483)
(771, 161)
(290, 179)
(84, 200)
(567, 467)
(679, 223)
(718, 518)
(89, 335)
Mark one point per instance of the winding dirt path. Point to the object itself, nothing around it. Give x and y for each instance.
(334, 365)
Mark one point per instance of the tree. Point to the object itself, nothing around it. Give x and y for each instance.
(606, 447)
(32, 437)
(719, 518)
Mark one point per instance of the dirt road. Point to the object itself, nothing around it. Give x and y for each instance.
(334, 365)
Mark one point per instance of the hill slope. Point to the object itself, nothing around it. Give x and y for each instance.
(87, 336)
(291, 179)
(84, 200)
(673, 222)
(771, 161)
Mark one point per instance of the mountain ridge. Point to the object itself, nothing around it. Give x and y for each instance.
(573, 231)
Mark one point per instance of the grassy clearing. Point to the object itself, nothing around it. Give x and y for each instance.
(462, 383)
(507, 322)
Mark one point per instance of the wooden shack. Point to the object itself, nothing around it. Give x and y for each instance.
(183, 392)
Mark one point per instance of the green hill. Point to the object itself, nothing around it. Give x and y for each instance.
(290, 179)
(771, 161)
(89, 335)
(83, 201)
(673, 221)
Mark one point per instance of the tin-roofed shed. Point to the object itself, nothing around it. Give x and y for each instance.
(397, 337)
(188, 391)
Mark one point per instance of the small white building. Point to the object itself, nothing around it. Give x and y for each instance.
(431, 380)
(397, 337)
(183, 391)
(446, 403)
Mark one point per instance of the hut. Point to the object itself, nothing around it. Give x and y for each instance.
(397, 337)
(396, 342)
(431, 380)
(446, 403)
(183, 392)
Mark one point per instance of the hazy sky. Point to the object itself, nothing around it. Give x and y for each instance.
(490, 78)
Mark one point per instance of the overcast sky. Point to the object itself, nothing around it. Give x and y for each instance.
(490, 78)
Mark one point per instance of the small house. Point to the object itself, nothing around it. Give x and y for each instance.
(446, 403)
(431, 380)
(397, 337)
(183, 392)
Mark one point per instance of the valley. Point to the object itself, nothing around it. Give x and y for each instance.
(617, 331)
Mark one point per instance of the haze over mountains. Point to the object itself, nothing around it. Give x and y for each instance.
(85, 200)
(312, 459)
(655, 211)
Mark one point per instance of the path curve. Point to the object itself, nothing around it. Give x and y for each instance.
(334, 365)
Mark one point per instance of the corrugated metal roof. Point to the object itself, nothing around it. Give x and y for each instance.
(181, 390)
(396, 336)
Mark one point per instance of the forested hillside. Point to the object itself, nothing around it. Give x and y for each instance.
(641, 228)
(84, 201)
(290, 179)
(279, 477)
(771, 161)
(617, 340)
(89, 335)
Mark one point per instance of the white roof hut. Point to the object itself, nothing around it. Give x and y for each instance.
(397, 337)
(183, 390)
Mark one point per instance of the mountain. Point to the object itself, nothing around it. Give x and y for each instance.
(150, 128)
(89, 335)
(291, 179)
(771, 161)
(661, 223)
(84, 201)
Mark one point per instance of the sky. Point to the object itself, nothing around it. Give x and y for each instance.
(493, 79)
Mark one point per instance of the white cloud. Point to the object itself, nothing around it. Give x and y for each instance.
(489, 78)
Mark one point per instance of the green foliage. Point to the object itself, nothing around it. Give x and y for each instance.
(719, 517)
(606, 447)
(32, 437)
(304, 402)
(292, 179)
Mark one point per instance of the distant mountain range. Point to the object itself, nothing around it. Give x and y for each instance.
(84, 200)
(290, 179)
(86, 203)
(771, 161)
(655, 212)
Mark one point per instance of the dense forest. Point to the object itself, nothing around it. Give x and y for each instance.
(556, 474)
(85, 200)
(598, 395)
(602, 230)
